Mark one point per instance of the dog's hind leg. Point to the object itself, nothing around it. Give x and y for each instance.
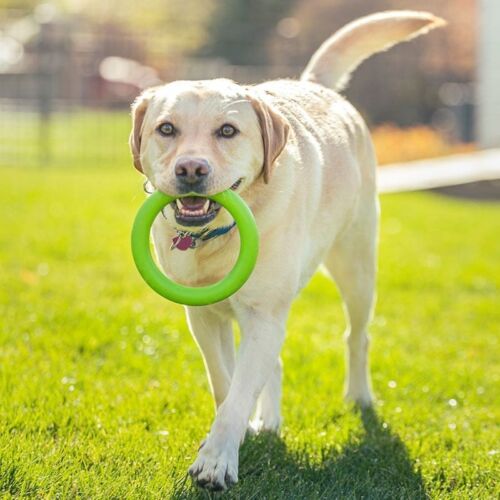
(214, 336)
(352, 263)
(268, 409)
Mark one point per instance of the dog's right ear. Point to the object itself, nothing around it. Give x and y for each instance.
(139, 108)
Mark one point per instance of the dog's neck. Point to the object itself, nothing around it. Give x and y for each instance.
(184, 239)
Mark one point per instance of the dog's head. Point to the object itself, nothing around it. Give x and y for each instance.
(202, 138)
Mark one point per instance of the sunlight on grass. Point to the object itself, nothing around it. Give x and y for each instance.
(104, 393)
(73, 139)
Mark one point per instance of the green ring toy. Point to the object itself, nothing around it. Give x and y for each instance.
(204, 295)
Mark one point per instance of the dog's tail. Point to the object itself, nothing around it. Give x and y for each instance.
(332, 64)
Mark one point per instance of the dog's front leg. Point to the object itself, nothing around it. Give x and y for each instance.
(216, 466)
(214, 336)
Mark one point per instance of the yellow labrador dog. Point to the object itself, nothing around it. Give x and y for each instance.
(302, 158)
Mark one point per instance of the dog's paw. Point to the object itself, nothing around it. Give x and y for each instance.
(362, 398)
(216, 467)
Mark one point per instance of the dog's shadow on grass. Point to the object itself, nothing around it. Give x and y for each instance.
(372, 463)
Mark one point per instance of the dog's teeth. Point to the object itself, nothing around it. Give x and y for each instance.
(185, 211)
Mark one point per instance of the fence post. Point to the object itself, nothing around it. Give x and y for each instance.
(44, 78)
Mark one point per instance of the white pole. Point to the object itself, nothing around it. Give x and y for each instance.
(488, 74)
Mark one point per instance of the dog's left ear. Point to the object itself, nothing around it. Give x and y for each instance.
(139, 108)
(274, 128)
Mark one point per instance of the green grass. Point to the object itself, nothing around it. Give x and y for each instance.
(78, 138)
(104, 395)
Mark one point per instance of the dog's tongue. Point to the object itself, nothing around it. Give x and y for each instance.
(193, 202)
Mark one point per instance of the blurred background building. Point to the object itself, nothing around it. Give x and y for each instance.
(488, 74)
(69, 69)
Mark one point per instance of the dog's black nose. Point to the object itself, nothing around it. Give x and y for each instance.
(192, 170)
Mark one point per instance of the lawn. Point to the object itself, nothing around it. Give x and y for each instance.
(104, 394)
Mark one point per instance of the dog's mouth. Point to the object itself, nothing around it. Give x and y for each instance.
(197, 210)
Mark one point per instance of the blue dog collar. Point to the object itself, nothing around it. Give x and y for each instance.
(187, 239)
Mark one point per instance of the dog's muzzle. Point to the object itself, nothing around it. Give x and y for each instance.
(197, 210)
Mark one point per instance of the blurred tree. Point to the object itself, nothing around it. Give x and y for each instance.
(22, 5)
(170, 27)
(239, 29)
(173, 26)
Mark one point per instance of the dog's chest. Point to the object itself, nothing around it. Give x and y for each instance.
(207, 263)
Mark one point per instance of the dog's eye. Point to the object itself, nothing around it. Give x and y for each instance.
(227, 131)
(166, 129)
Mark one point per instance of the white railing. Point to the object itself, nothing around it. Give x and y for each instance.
(438, 172)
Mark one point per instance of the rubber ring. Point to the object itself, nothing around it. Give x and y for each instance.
(203, 295)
